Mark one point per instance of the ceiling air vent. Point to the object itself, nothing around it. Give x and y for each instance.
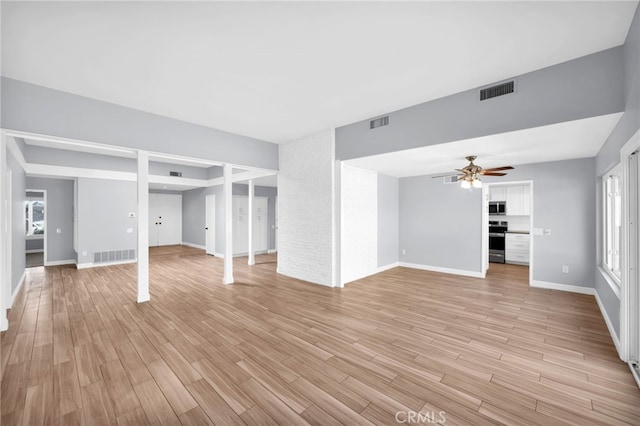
(178, 174)
(450, 179)
(497, 90)
(379, 122)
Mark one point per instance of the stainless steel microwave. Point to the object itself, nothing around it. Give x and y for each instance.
(497, 207)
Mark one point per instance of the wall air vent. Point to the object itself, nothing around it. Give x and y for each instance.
(450, 179)
(177, 174)
(113, 256)
(379, 122)
(498, 90)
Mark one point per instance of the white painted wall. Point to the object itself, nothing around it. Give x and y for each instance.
(306, 209)
(359, 223)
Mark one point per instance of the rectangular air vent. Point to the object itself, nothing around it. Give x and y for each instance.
(178, 174)
(498, 90)
(450, 179)
(379, 122)
(113, 256)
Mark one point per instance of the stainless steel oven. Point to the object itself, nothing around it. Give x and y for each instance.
(497, 231)
(497, 208)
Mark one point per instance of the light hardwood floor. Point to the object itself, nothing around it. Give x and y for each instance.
(274, 350)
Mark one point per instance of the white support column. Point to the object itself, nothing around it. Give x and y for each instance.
(143, 227)
(228, 224)
(5, 270)
(252, 257)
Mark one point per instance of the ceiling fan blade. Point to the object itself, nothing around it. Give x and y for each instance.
(492, 174)
(447, 175)
(495, 169)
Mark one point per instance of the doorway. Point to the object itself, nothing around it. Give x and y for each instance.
(165, 219)
(35, 220)
(507, 220)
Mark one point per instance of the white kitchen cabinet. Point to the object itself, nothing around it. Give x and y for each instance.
(517, 248)
(497, 193)
(518, 200)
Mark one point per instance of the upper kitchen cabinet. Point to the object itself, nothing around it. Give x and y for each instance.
(497, 193)
(518, 200)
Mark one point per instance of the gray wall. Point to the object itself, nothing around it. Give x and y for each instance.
(103, 217)
(584, 87)
(18, 238)
(609, 156)
(440, 225)
(388, 220)
(61, 157)
(193, 213)
(59, 210)
(41, 110)
(37, 244)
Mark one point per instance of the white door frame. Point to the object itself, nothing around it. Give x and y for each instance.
(485, 223)
(46, 223)
(210, 224)
(630, 287)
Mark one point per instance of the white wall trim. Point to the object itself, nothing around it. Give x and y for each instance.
(329, 285)
(563, 287)
(60, 262)
(612, 284)
(474, 274)
(99, 265)
(14, 295)
(176, 180)
(198, 246)
(272, 251)
(387, 267)
(607, 320)
(34, 251)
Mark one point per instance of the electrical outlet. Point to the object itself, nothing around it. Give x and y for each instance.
(565, 269)
(58, 230)
(132, 214)
(404, 251)
(538, 231)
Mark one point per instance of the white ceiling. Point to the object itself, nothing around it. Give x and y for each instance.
(563, 141)
(278, 71)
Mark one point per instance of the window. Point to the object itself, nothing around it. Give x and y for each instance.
(612, 184)
(34, 217)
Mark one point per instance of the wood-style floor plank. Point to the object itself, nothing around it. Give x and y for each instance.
(272, 350)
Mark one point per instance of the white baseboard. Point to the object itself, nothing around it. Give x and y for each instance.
(60, 262)
(17, 290)
(99, 265)
(607, 320)
(271, 251)
(563, 287)
(474, 274)
(34, 251)
(221, 255)
(387, 267)
(198, 246)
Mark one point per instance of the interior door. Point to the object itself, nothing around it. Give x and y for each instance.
(165, 219)
(210, 224)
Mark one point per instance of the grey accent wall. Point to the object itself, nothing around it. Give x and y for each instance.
(103, 217)
(584, 87)
(18, 197)
(609, 156)
(86, 160)
(193, 213)
(37, 244)
(440, 224)
(41, 110)
(59, 210)
(61, 157)
(388, 220)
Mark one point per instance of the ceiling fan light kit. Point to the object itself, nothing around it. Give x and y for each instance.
(469, 175)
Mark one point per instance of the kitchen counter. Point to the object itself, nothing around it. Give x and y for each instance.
(518, 232)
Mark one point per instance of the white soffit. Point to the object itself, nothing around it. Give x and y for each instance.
(562, 141)
(281, 70)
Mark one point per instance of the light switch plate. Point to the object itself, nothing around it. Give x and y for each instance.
(129, 230)
(58, 230)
